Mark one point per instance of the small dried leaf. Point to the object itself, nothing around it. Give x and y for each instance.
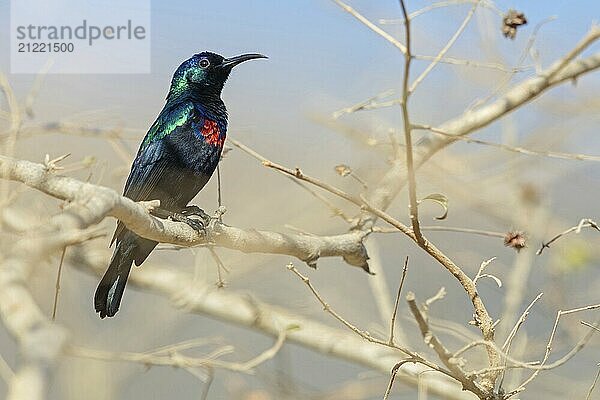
(343, 170)
(442, 200)
(511, 21)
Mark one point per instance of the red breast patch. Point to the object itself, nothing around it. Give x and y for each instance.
(211, 132)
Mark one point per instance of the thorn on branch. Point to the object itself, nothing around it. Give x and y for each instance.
(52, 165)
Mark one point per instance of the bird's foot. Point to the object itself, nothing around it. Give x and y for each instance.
(198, 225)
(193, 210)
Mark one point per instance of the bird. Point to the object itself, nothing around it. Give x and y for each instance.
(174, 162)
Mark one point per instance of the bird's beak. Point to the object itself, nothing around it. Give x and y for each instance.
(233, 61)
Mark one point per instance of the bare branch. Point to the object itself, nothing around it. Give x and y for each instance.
(412, 181)
(394, 179)
(175, 359)
(559, 314)
(445, 356)
(584, 223)
(327, 308)
(472, 63)
(239, 309)
(445, 49)
(483, 319)
(335, 210)
(393, 321)
(97, 202)
(441, 4)
(513, 332)
(514, 149)
(371, 25)
(589, 393)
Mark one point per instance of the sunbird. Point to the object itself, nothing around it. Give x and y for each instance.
(175, 160)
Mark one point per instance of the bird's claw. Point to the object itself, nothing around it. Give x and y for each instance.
(199, 225)
(194, 210)
(196, 224)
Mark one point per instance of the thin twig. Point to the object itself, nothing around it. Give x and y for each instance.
(584, 223)
(394, 372)
(472, 63)
(393, 181)
(336, 211)
(178, 360)
(514, 149)
(412, 182)
(483, 319)
(371, 25)
(522, 58)
(57, 287)
(435, 228)
(220, 265)
(590, 325)
(536, 366)
(589, 393)
(559, 314)
(393, 321)
(445, 49)
(513, 332)
(211, 377)
(327, 308)
(444, 355)
(482, 267)
(367, 104)
(364, 334)
(441, 4)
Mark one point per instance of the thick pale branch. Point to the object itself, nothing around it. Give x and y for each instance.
(239, 309)
(40, 341)
(96, 202)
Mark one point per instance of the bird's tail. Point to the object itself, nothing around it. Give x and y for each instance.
(111, 287)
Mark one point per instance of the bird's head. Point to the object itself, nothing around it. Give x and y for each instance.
(205, 73)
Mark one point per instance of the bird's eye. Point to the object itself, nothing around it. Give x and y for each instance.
(204, 63)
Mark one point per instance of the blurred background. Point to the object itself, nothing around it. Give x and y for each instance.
(322, 60)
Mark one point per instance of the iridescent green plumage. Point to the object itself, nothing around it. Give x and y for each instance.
(167, 123)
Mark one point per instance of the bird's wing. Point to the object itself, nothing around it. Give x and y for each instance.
(152, 160)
